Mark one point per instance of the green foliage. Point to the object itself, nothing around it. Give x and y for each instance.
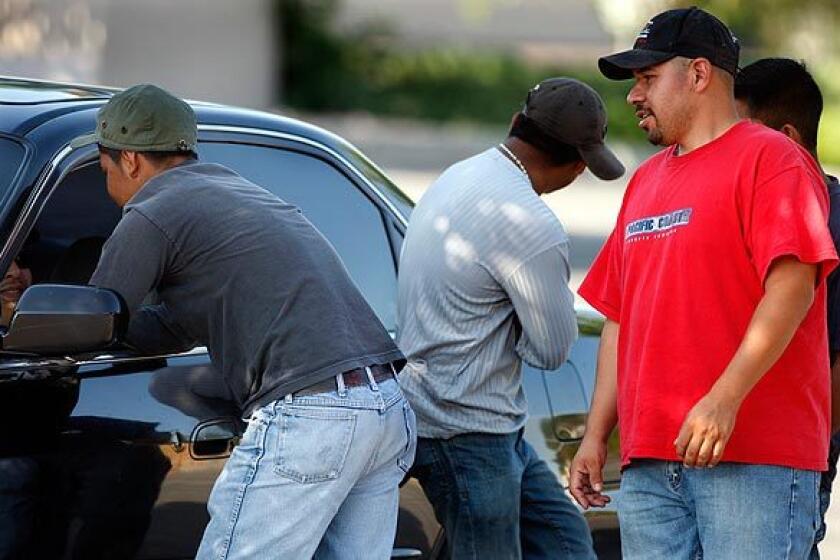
(364, 71)
(324, 71)
(768, 24)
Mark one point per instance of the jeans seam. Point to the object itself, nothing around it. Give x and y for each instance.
(240, 496)
(461, 498)
(794, 482)
(558, 534)
(410, 435)
(818, 510)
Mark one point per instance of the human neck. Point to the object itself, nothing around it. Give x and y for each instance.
(709, 123)
(531, 158)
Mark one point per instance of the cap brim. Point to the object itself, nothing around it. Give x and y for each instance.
(620, 66)
(602, 161)
(84, 140)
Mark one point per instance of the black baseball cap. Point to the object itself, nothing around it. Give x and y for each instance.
(689, 32)
(573, 113)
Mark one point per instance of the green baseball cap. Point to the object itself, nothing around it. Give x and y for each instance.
(144, 118)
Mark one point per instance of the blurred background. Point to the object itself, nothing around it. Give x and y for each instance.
(441, 61)
(416, 84)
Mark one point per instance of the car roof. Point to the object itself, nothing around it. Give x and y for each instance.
(26, 104)
(24, 91)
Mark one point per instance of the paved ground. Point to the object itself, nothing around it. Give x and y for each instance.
(414, 155)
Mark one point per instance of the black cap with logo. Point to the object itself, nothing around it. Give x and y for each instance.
(689, 32)
(573, 113)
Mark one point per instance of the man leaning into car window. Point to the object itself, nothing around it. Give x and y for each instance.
(243, 273)
(713, 357)
(482, 287)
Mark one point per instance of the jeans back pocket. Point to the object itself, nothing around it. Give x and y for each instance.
(313, 443)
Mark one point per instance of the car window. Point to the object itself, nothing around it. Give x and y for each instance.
(333, 203)
(398, 198)
(11, 154)
(71, 228)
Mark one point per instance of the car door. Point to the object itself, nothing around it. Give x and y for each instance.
(132, 444)
(109, 454)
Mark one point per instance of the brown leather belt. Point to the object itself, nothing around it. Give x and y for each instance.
(352, 378)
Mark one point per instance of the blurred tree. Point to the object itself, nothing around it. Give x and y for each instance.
(775, 25)
(800, 28)
(307, 45)
(367, 69)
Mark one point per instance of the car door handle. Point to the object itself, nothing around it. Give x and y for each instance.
(406, 553)
(215, 438)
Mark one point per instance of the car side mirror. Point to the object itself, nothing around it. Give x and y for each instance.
(58, 319)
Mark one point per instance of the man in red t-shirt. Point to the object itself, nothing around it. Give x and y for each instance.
(713, 352)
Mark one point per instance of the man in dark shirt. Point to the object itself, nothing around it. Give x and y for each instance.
(782, 94)
(232, 267)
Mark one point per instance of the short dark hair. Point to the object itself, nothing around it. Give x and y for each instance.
(154, 157)
(529, 132)
(781, 91)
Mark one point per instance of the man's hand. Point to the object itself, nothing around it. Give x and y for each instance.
(587, 481)
(706, 431)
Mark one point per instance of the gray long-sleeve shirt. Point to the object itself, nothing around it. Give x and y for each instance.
(247, 275)
(483, 285)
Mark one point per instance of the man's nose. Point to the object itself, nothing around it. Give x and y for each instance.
(635, 95)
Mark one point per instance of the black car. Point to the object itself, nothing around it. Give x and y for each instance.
(108, 454)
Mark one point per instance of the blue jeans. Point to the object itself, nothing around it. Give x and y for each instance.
(315, 475)
(825, 492)
(732, 511)
(497, 499)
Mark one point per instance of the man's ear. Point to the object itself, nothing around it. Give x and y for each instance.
(791, 132)
(579, 167)
(700, 73)
(513, 119)
(130, 162)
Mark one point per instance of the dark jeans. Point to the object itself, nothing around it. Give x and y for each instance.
(18, 506)
(825, 492)
(497, 499)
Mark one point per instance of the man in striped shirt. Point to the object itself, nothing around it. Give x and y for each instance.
(483, 286)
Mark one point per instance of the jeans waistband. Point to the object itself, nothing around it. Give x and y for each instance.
(370, 375)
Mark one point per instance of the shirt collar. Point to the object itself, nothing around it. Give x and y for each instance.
(156, 184)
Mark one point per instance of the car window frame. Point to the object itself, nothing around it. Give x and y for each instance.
(28, 151)
(388, 222)
(68, 159)
(394, 220)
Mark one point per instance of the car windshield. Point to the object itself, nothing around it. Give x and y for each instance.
(11, 154)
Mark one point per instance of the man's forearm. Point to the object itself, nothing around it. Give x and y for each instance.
(544, 306)
(603, 414)
(150, 332)
(789, 294)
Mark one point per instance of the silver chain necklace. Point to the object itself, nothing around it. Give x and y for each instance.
(514, 159)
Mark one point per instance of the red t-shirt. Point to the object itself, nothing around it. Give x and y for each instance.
(683, 272)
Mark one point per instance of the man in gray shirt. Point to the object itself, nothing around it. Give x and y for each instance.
(236, 269)
(483, 286)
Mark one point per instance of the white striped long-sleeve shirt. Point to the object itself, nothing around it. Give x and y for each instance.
(483, 285)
